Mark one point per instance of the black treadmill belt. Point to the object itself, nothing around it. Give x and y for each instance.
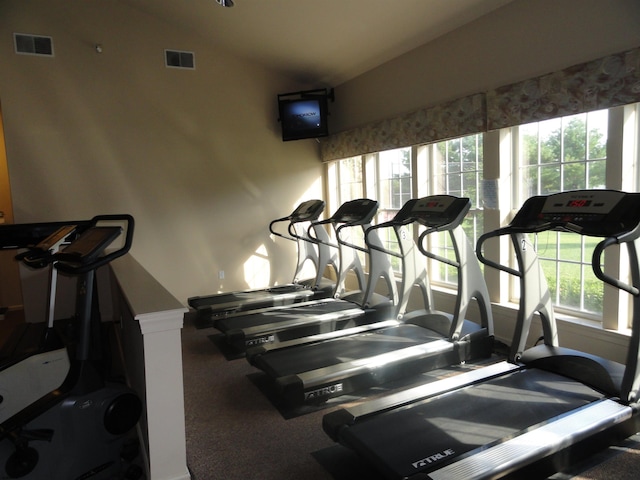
(228, 298)
(431, 434)
(250, 297)
(281, 315)
(314, 356)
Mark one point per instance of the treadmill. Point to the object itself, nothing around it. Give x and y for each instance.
(350, 307)
(210, 307)
(335, 364)
(543, 408)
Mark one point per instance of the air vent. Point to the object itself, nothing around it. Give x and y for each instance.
(178, 59)
(33, 44)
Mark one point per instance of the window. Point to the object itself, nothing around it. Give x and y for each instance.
(350, 175)
(456, 169)
(394, 189)
(345, 182)
(598, 149)
(562, 154)
(557, 155)
(394, 181)
(390, 177)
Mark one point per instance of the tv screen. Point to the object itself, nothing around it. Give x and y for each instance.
(304, 117)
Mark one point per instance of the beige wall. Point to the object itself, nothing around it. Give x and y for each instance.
(523, 39)
(195, 156)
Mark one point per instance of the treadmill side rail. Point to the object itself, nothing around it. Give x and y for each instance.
(299, 320)
(246, 301)
(320, 337)
(279, 305)
(333, 422)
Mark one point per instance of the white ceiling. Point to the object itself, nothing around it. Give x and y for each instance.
(320, 42)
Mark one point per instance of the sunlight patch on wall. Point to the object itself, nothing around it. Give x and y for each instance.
(257, 270)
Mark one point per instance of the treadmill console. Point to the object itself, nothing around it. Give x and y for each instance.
(307, 211)
(435, 211)
(89, 245)
(356, 212)
(598, 213)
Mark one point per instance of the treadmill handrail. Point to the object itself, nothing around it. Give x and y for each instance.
(416, 218)
(312, 236)
(536, 299)
(486, 236)
(339, 217)
(597, 269)
(294, 218)
(349, 244)
(337, 228)
(292, 235)
(568, 227)
(432, 255)
(389, 224)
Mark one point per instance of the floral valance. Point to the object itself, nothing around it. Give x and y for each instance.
(464, 116)
(607, 82)
(603, 83)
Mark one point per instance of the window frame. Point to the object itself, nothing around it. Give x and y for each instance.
(552, 256)
(437, 168)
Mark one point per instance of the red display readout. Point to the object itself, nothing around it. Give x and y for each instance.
(578, 203)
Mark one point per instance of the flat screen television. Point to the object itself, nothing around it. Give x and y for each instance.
(304, 116)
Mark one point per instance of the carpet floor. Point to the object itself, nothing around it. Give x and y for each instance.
(234, 431)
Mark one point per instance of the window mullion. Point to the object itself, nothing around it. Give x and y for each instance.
(615, 306)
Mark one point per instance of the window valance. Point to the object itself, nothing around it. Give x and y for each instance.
(607, 82)
(604, 83)
(464, 116)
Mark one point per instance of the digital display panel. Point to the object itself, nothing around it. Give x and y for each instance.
(595, 212)
(435, 203)
(578, 203)
(582, 202)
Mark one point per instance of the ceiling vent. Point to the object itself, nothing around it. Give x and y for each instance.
(33, 44)
(178, 59)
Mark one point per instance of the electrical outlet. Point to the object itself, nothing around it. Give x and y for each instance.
(221, 274)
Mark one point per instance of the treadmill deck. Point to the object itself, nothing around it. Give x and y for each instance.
(435, 433)
(340, 350)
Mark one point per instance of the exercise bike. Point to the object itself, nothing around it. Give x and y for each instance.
(35, 360)
(77, 431)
